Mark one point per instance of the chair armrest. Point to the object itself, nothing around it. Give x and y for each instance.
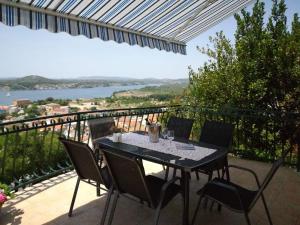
(223, 185)
(228, 190)
(247, 170)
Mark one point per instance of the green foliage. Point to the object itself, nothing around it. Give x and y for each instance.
(170, 89)
(74, 109)
(6, 190)
(32, 111)
(150, 95)
(3, 115)
(216, 84)
(29, 151)
(260, 71)
(62, 102)
(268, 59)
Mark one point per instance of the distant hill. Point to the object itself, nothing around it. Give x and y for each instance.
(35, 82)
(34, 79)
(31, 82)
(174, 89)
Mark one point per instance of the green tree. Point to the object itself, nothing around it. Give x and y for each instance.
(261, 71)
(267, 59)
(74, 109)
(32, 111)
(3, 115)
(217, 83)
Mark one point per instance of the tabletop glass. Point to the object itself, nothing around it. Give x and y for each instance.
(174, 154)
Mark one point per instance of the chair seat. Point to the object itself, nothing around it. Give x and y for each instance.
(155, 185)
(222, 191)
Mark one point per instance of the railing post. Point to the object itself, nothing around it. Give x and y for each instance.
(298, 159)
(298, 149)
(78, 127)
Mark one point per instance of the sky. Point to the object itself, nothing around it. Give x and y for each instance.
(60, 55)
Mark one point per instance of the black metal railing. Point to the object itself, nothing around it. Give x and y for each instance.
(258, 135)
(30, 150)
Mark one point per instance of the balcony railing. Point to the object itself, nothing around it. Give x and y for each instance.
(30, 150)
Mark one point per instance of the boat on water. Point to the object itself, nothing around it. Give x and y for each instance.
(7, 94)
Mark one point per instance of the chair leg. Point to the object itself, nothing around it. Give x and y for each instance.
(114, 205)
(197, 175)
(219, 176)
(174, 173)
(267, 210)
(74, 197)
(247, 218)
(211, 205)
(157, 213)
(106, 206)
(101, 161)
(98, 191)
(210, 174)
(196, 210)
(167, 173)
(219, 207)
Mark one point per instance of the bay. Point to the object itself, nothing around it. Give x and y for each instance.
(72, 93)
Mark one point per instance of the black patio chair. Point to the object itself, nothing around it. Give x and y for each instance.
(86, 166)
(218, 134)
(236, 197)
(182, 126)
(182, 130)
(129, 179)
(100, 127)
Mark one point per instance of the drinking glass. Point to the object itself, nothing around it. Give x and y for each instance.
(171, 135)
(164, 133)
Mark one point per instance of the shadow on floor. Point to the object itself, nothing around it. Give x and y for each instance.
(13, 216)
(30, 191)
(282, 196)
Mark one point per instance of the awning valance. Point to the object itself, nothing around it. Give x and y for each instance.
(161, 24)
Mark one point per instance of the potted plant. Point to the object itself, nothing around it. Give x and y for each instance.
(5, 194)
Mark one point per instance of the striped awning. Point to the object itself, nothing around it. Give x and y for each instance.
(162, 24)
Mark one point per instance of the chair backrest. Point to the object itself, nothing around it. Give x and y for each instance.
(83, 160)
(101, 127)
(217, 133)
(268, 178)
(182, 127)
(128, 175)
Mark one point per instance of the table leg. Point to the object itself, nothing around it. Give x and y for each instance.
(185, 184)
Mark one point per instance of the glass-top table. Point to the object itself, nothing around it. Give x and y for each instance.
(177, 154)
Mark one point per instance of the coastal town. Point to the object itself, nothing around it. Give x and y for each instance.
(24, 108)
(20, 108)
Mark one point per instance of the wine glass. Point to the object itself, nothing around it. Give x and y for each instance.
(171, 135)
(164, 133)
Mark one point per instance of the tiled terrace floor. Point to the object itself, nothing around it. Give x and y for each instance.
(48, 202)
